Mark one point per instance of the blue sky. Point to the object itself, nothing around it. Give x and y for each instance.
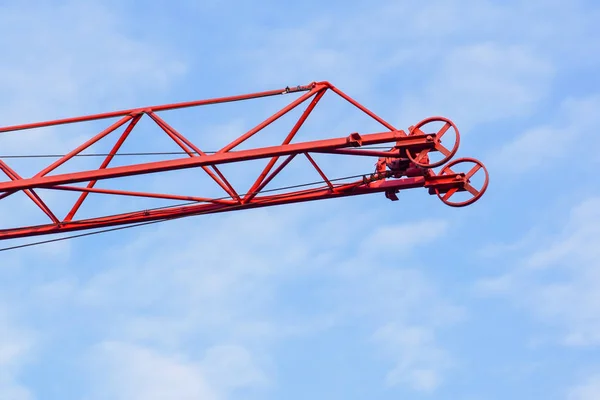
(351, 298)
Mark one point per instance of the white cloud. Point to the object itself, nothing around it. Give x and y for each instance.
(446, 59)
(60, 60)
(126, 371)
(420, 362)
(560, 140)
(588, 390)
(123, 370)
(79, 56)
(221, 282)
(227, 289)
(481, 82)
(406, 310)
(16, 346)
(67, 59)
(230, 366)
(406, 237)
(558, 280)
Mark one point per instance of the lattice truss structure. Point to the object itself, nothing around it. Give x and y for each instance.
(399, 159)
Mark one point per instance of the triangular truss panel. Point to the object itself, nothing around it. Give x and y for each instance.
(223, 154)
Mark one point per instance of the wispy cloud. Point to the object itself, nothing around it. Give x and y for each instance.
(552, 142)
(194, 289)
(16, 345)
(469, 86)
(79, 58)
(123, 370)
(586, 390)
(221, 306)
(420, 363)
(556, 281)
(127, 371)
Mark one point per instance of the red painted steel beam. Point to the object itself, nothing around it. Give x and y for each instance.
(441, 183)
(165, 107)
(417, 141)
(406, 165)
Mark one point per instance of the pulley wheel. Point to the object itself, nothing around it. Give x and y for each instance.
(476, 171)
(444, 128)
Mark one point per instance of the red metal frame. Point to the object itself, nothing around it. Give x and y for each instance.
(406, 165)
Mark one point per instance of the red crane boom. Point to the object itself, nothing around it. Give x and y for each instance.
(406, 164)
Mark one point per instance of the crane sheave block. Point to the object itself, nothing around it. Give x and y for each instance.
(406, 161)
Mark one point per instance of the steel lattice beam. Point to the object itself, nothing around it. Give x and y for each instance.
(406, 165)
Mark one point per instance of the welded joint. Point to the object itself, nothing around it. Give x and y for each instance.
(326, 84)
(141, 111)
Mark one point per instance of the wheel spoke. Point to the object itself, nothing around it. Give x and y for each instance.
(449, 194)
(473, 171)
(463, 184)
(443, 131)
(422, 155)
(443, 150)
(448, 171)
(471, 189)
(426, 127)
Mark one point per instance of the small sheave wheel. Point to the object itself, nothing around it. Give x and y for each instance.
(467, 186)
(423, 158)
